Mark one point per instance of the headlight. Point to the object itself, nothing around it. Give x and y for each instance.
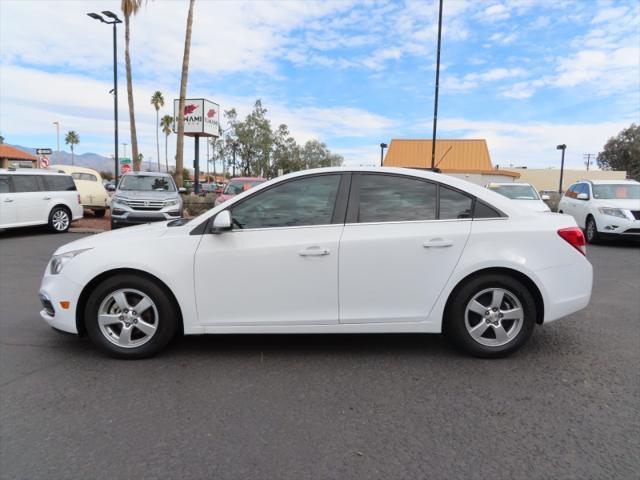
(119, 200)
(614, 212)
(171, 202)
(59, 261)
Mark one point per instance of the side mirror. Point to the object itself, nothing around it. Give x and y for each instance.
(583, 196)
(182, 190)
(222, 222)
(545, 197)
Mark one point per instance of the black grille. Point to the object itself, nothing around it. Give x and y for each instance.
(632, 230)
(48, 307)
(636, 214)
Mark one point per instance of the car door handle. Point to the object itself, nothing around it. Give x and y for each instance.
(46, 198)
(8, 200)
(437, 243)
(314, 252)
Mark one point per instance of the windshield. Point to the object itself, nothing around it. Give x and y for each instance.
(617, 191)
(239, 186)
(147, 183)
(516, 192)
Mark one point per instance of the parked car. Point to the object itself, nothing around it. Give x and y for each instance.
(331, 250)
(523, 193)
(93, 194)
(143, 197)
(38, 197)
(236, 186)
(604, 208)
(207, 188)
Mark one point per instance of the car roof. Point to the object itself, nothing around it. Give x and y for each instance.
(610, 182)
(75, 169)
(248, 179)
(30, 171)
(508, 184)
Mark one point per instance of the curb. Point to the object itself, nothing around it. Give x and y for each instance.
(86, 230)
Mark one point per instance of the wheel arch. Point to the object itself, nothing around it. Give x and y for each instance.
(88, 288)
(526, 280)
(61, 205)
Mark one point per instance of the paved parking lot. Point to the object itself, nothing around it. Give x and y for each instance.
(302, 407)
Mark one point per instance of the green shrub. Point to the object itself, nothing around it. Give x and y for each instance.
(194, 205)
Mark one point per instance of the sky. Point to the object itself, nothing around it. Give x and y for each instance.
(526, 75)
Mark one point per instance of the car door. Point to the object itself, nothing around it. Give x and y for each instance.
(279, 263)
(581, 207)
(7, 203)
(401, 242)
(29, 200)
(567, 200)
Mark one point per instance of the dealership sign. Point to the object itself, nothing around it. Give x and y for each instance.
(126, 165)
(201, 117)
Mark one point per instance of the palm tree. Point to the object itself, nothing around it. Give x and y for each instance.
(130, 7)
(72, 138)
(166, 122)
(157, 100)
(183, 93)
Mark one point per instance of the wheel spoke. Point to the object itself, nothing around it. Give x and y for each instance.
(146, 328)
(501, 333)
(121, 300)
(476, 307)
(479, 329)
(142, 305)
(513, 314)
(108, 319)
(497, 297)
(125, 336)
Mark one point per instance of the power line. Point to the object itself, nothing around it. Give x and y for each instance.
(587, 157)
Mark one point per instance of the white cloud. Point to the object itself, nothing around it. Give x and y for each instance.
(474, 80)
(495, 13)
(608, 14)
(503, 38)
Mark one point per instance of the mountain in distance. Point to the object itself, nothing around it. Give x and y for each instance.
(90, 160)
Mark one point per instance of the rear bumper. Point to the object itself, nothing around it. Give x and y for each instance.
(567, 289)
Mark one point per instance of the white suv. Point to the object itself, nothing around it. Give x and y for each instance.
(604, 208)
(38, 197)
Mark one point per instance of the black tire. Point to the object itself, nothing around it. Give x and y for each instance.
(59, 219)
(166, 323)
(455, 324)
(99, 213)
(591, 232)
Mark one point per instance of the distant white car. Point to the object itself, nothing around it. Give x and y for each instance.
(604, 208)
(38, 197)
(332, 250)
(523, 193)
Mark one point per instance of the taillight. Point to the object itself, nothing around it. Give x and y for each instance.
(79, 202)
(575, 237)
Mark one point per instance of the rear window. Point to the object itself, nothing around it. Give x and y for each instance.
(58, 183)
(25, 183)
(84, 176)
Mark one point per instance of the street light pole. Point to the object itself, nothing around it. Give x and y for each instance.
(382, 147)
(57, 124)
(114, 21)
(562, 147)
(435, 106)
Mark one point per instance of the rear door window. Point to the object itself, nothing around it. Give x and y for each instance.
(58, 183)
(454, 204)
(4, 184)
(25, 183)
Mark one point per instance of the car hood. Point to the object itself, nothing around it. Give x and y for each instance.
(629, 204)
(533, 205)
(150, 195)
(147, 231)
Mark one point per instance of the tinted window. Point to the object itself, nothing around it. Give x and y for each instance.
(4, 184)
(454, 204)
(617, 191)
(25, 183)
(482, 210)
(58, 183)
(571, 192)
(308, 201)
(387, 198)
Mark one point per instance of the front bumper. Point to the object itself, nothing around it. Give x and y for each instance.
(122, 216)
(615, 227)
(55, 292)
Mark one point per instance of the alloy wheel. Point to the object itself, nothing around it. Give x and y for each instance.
(128, 318)
(494, 317)
(60, 220)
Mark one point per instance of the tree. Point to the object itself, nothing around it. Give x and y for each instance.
(166, 122)
(157, 100)
(72, 138)
(129, 8)
(183, 93)
(1, 139)
(106, 175)
(315, 154)
(623, 152)
(254, 139)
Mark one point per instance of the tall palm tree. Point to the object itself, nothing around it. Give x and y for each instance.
(72, 138)
(166, 122)
(183, 93)
(157, 100)
(129, 8)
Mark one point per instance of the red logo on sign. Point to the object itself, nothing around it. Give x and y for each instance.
(126, 168)
(44, 162)
(211, 113)
(190, 109)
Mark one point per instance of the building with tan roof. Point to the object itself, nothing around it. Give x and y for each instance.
(14, 157)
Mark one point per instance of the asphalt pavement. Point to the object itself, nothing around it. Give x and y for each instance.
(567, 406)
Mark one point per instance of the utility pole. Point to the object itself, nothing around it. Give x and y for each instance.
(588, 157)
(57, 124)
(382, 147)
(562, 147)
(435, 106)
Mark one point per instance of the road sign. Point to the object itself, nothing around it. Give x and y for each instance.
(43, 151)
(44, 162)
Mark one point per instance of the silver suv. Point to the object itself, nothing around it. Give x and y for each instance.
(143, 197)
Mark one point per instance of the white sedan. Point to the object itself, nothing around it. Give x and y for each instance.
(523, 193)
(363, 250)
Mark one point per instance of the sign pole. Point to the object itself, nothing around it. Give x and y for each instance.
(196, 165)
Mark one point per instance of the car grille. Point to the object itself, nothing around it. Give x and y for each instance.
(146, 205)
(636, 214)
(632, 230)
(48, 307)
